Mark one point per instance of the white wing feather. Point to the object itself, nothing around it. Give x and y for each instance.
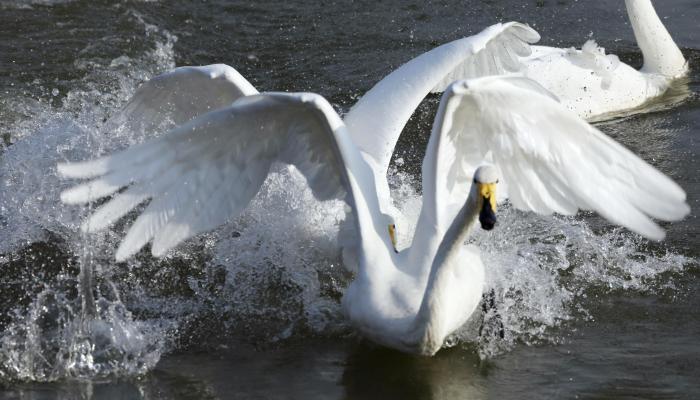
(550, 160)
(206, 171)
(180, 95)
(378, 118)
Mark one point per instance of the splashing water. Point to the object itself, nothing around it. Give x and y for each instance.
(55, 322)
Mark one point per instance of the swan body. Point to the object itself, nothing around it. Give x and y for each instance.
(591, 83)
(492, 132)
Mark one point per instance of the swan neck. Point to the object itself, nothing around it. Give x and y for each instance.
(384, 110)
(661, 54)
(430, 324)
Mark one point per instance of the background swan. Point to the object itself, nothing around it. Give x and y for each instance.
(204, 172)
(593, 84)
(587, 81)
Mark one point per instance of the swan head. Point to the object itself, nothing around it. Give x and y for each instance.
(485, 180)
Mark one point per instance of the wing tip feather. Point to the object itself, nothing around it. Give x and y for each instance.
(124, 251)
(73, 170)
(658, 234)
(73, 196)
(525, 32)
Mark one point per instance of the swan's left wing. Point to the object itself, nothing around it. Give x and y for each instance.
(378, 118)
(205, 172)
(550, 160)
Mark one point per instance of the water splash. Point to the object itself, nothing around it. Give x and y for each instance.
(56, 339)
(58, 321)
(542, 270)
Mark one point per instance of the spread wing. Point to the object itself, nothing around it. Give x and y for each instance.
(550, 160)
(206, 171)
(378, 118)
(180, 95)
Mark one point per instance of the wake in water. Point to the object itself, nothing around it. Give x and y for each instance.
(272, 274)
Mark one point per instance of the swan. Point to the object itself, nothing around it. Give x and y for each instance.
(589, 82)
(497, 134)
(595, 85)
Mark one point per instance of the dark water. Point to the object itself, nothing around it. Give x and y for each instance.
(251, 310)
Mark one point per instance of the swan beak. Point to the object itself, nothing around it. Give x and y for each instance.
(392, 235)
(487, 216)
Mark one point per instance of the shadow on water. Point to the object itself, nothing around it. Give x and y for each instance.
(378, 373)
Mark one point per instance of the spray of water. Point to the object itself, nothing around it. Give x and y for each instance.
(61, 317)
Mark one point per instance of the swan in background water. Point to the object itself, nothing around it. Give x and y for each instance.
(587, 81)
(593, 84)
(505, 133)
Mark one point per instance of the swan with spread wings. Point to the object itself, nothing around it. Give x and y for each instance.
(491, 135)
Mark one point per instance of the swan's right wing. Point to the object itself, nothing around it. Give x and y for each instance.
(205, 172)
(177, 96)
(378, 118)
(550, 160)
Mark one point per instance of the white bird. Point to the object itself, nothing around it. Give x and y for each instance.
(495, 130)
(595, 85)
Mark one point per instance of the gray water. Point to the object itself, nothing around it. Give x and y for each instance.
(252, 309)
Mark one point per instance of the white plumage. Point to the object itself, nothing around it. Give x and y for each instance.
(207, 169)
(596, 85)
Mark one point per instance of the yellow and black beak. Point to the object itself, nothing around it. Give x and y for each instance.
(487, 216)
(392, 235)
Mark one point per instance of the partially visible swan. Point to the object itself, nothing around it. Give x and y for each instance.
(588, 82)
(593, 84)
(495, 132)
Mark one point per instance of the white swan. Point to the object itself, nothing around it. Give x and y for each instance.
(587, 81)
(593, 84)
(205, 171)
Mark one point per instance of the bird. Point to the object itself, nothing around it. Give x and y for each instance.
(494, 138)
(598, 86)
